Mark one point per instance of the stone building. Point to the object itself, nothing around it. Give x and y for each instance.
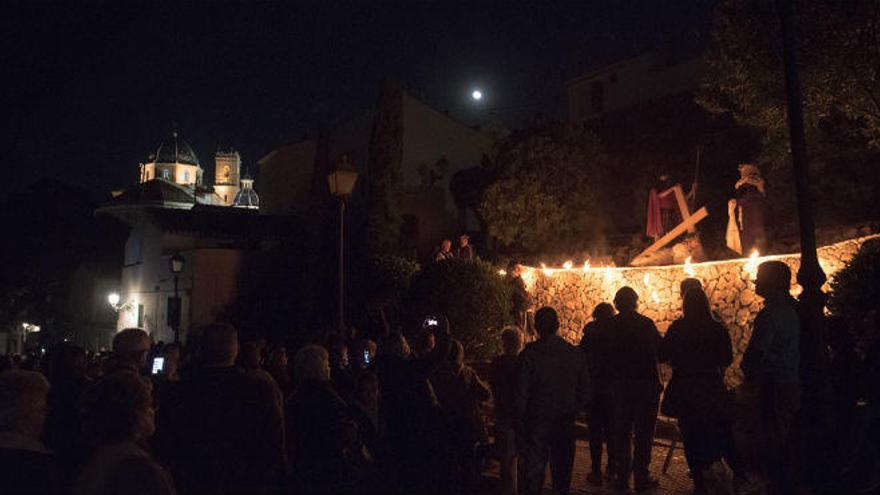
(430, 145)
(171, 211)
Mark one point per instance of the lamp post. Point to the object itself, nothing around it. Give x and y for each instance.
(341, 183)
(176, 263)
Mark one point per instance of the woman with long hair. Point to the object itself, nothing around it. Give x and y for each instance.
(698, 349)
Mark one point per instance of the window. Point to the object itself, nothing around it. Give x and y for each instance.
(147, 175)
(597, 97)
(166, 174)
(226, 171)
(140, 316)
(186, 175)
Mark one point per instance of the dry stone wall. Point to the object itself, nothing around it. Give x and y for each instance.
(575, 291)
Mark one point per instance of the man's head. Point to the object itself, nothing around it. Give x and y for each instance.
(546, 321)
(425, 342)
(249, 355)
(511, 340)
(463, 240)
(688, 284)
(131, 347)
(219, 344)
(774, 279)
(311, 363)
(603, 311)
(23, 402)
(446, 245)
(626, 300)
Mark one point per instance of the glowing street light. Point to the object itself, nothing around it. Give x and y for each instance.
(477, 95)
(113, 299)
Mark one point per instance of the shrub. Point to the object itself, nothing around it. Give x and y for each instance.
(380, 282)
(855, 290)
(471, 294)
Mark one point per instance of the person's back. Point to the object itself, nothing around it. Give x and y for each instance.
(631, 365)
(63, 432)
(696, 347)
(773, 351)
(321, 430)
(633, 344)
(554, 369)
(551, 387)
(25, 465)
(225, 426)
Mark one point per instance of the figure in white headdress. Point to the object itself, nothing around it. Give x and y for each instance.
(745, 227)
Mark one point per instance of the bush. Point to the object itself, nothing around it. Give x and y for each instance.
(380, 282)
(471, 294)
(855, 290)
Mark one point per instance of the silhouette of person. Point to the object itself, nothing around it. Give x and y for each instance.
(631, 363)
(552, 385)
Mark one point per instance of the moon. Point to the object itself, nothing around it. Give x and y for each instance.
(477, 95)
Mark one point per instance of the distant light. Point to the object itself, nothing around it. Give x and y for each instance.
(477, 95)
(113, 299)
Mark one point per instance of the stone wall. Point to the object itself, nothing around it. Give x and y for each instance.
(575, 290)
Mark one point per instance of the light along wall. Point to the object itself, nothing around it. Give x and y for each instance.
(575, 290)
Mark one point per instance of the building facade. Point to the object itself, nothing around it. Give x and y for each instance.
(172, 212)
(431, 147)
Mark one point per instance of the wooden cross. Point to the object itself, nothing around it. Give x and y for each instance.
(688, 221)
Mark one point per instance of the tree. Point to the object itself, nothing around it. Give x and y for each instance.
(839, 49)
(385, 175)
(839, 69)
(468, 292)
(546, 189)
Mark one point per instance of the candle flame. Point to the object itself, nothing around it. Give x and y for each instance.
(654, 296)
(688, 267)
(502, 272)
(751, 265)
(587, 265)
(567, 265)
(647, 279)
(546, 270)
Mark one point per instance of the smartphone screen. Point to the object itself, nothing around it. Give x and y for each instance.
(158, 365)
(366, 356)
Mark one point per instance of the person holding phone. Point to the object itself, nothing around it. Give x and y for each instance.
(415, 427)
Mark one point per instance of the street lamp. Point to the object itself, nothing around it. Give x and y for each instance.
(113, 299)
(341, 183)
(176, 264)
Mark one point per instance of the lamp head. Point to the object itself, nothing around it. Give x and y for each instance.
(176, 263)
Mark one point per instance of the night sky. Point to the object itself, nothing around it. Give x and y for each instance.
(91, 88)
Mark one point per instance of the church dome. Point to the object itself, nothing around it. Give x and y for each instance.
(174, 150)
(247, 196)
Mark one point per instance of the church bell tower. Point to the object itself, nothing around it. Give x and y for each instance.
(227, 170)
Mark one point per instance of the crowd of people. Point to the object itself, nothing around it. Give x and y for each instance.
(406, 415)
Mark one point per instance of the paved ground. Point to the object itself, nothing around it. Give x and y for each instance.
(676, 480)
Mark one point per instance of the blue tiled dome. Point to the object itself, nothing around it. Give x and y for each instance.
(247, 196)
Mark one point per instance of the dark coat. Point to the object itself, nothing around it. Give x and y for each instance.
(26, 469)
(224, 432)
(594, 346)
(633, 344)
(503, 388)
(552, 382)
(322, 433)
(698, 352)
